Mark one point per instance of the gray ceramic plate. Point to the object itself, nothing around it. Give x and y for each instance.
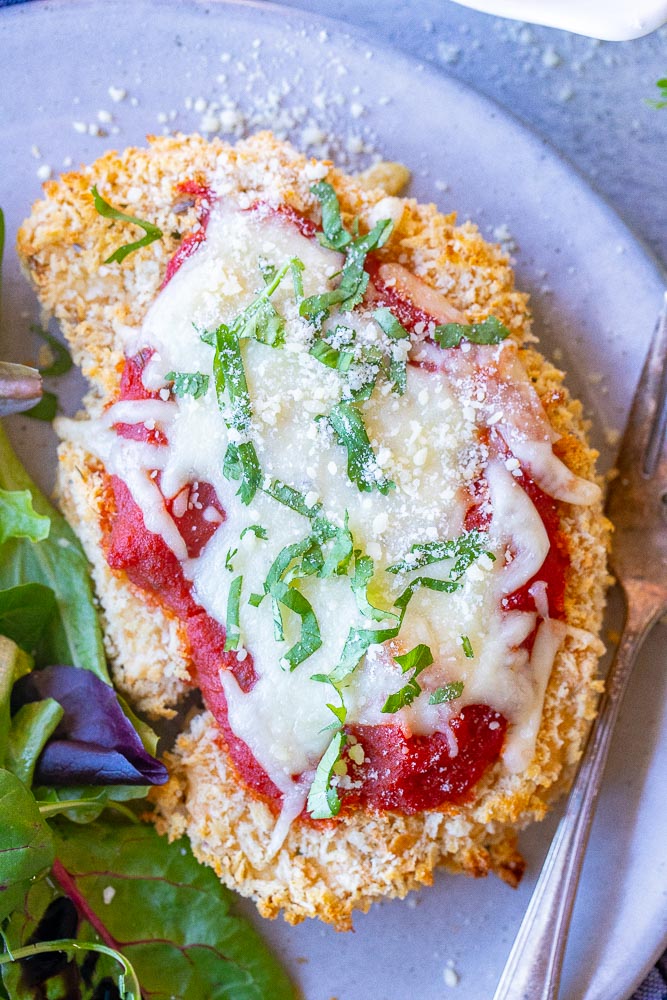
(595, 295)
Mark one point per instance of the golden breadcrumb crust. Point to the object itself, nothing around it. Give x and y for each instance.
(323, 870)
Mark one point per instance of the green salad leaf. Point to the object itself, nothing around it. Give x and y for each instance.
(25, 612)
(26, 843)
(150, 900)
(73, 634)
(19, 519)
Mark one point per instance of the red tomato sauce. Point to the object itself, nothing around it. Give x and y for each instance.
(412, 773)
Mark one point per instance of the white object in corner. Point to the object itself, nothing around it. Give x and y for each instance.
(611, 20)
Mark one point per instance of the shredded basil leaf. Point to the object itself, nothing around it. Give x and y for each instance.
(447, 693)
(491, 331)
(356, 645)
(310, 639)
(260, 320)
(334, 236)
(331, 357)
(193, 384)
(467, 647)
(295, 500)
(363, 574)
(257, 530)
(228, 559)
(364, 374)
(233, 638)
(323, 800)
(339, 555)
(106, 210)
(418, 659)
(362, 467)
(241, 463)
(464, 549)
(398, 368)
(354, 280)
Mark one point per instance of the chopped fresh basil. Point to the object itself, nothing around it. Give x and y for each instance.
(297, 267)
(362, 467)
(296, 501)
(363, 574)
(389, 324)
(232, 628)
(62, 361)
(340, 711)
(339, 555)
(323, 800)
(310, 639)
(228, 559)
(230, 377)
(354, 279)
(402, 698)
(240, 461)
(363, 375)
(356, 645)
(331, 357)
(188, 383)
(334, 236)
(152, 232)
(260, 320)
(491, 331)
(447, 693)
(257, 530)
(467, 647)
(464, 550)
(418, 659)
(267, 270)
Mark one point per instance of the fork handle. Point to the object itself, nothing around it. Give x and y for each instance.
(533, 969)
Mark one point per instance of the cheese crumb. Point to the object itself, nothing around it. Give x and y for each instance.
(356, 753)
(117, 94)
(108, 894)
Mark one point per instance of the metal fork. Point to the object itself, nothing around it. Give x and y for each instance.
(637, 506)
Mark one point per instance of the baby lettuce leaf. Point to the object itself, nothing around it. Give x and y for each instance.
(94, 743)
(13, 664)
(26, 843)
(25, 612)
(151, 900)
(31, 728)
(18, 518)
(74, 634)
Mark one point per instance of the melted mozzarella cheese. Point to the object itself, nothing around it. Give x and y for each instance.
(426, 441)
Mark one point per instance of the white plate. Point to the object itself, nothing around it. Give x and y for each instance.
(595, 295)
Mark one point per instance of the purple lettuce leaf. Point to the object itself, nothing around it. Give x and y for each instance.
(94, 743)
